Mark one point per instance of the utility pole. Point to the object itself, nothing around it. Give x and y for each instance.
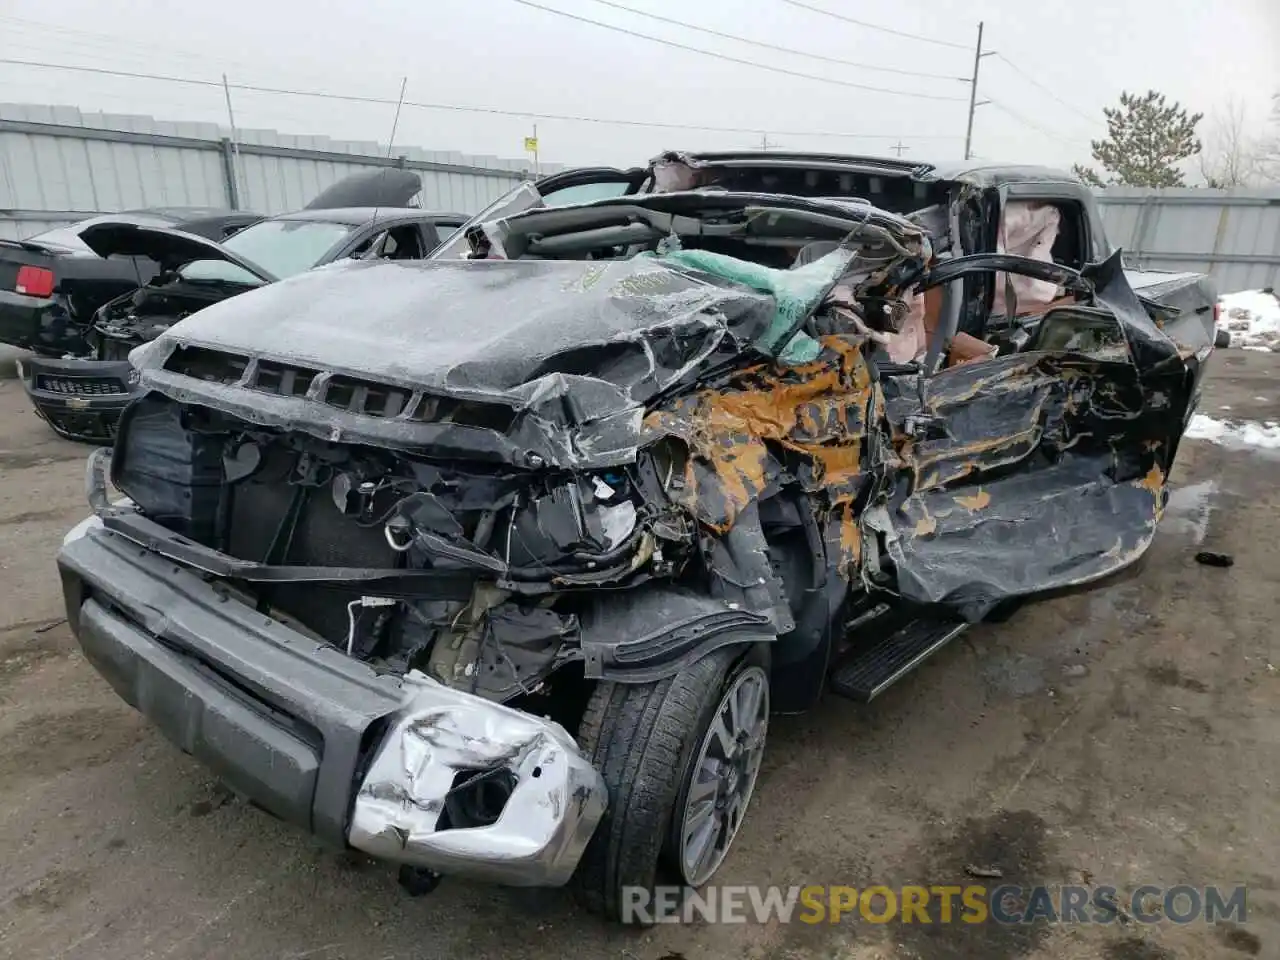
(899, 147)
(234, 192)
(974, 103)
(404, 84)
(764, 142)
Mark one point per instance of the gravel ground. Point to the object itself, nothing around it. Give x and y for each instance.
(1127, 736)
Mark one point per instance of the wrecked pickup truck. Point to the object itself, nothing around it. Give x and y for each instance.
(497, 566)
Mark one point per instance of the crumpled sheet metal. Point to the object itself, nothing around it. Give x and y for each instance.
(1050, 473)
(555, 806)
(1034, 489)
(810, 420)
(575, 347)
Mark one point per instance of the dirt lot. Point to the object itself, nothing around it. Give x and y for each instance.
(1125, 737)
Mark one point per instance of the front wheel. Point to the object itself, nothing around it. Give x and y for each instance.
(680, 758)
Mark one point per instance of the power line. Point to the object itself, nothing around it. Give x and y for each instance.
(1044, 89)
(459, 108)
(807, 54)
(874, 26)
(112, 73)
(115, 42)
(738, 60)
(1032, 124)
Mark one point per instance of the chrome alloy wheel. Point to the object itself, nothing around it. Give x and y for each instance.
(724, 774)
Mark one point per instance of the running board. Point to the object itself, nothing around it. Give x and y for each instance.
(868, 672)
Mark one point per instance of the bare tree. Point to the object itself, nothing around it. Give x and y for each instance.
(1269, 154)
(1231, 158)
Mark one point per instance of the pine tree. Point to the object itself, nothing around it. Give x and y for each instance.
(1146, 138)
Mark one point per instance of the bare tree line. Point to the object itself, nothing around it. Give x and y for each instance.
(1235, 156)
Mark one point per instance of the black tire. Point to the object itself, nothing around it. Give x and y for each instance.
(1222, 338)
(642, 738)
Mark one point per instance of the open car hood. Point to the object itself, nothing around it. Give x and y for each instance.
(376, 188)
(170, 249)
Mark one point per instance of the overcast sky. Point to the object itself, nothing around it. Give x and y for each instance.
(506, 55)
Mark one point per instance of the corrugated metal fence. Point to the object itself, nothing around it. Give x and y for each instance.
(59, 165)
(1232, 235)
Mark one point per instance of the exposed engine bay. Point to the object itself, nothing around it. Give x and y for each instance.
(293, 503)
(142, 315)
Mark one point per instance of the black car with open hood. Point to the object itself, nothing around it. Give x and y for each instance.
(81, 397)
(498, 563)
(52, 284)
(166, 247)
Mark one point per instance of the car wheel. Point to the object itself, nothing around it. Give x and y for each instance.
(1222, 338)
(680, 758)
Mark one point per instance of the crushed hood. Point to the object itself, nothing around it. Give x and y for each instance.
(169, 248)
(496, 329)
(483, 328)
(576, 348)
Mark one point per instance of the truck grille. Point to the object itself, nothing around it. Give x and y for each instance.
(352, 394)
(81, 386)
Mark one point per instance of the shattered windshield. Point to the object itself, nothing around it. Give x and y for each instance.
(282, 247)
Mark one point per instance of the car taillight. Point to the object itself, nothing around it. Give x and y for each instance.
(35, 282)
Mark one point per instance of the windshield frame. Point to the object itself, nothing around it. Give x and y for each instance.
(683, 212)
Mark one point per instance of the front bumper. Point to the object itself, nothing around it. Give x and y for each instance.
(319, 739)
(79, 399)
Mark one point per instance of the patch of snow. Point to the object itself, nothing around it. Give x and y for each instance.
(1252, 318)
(1236, 435)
